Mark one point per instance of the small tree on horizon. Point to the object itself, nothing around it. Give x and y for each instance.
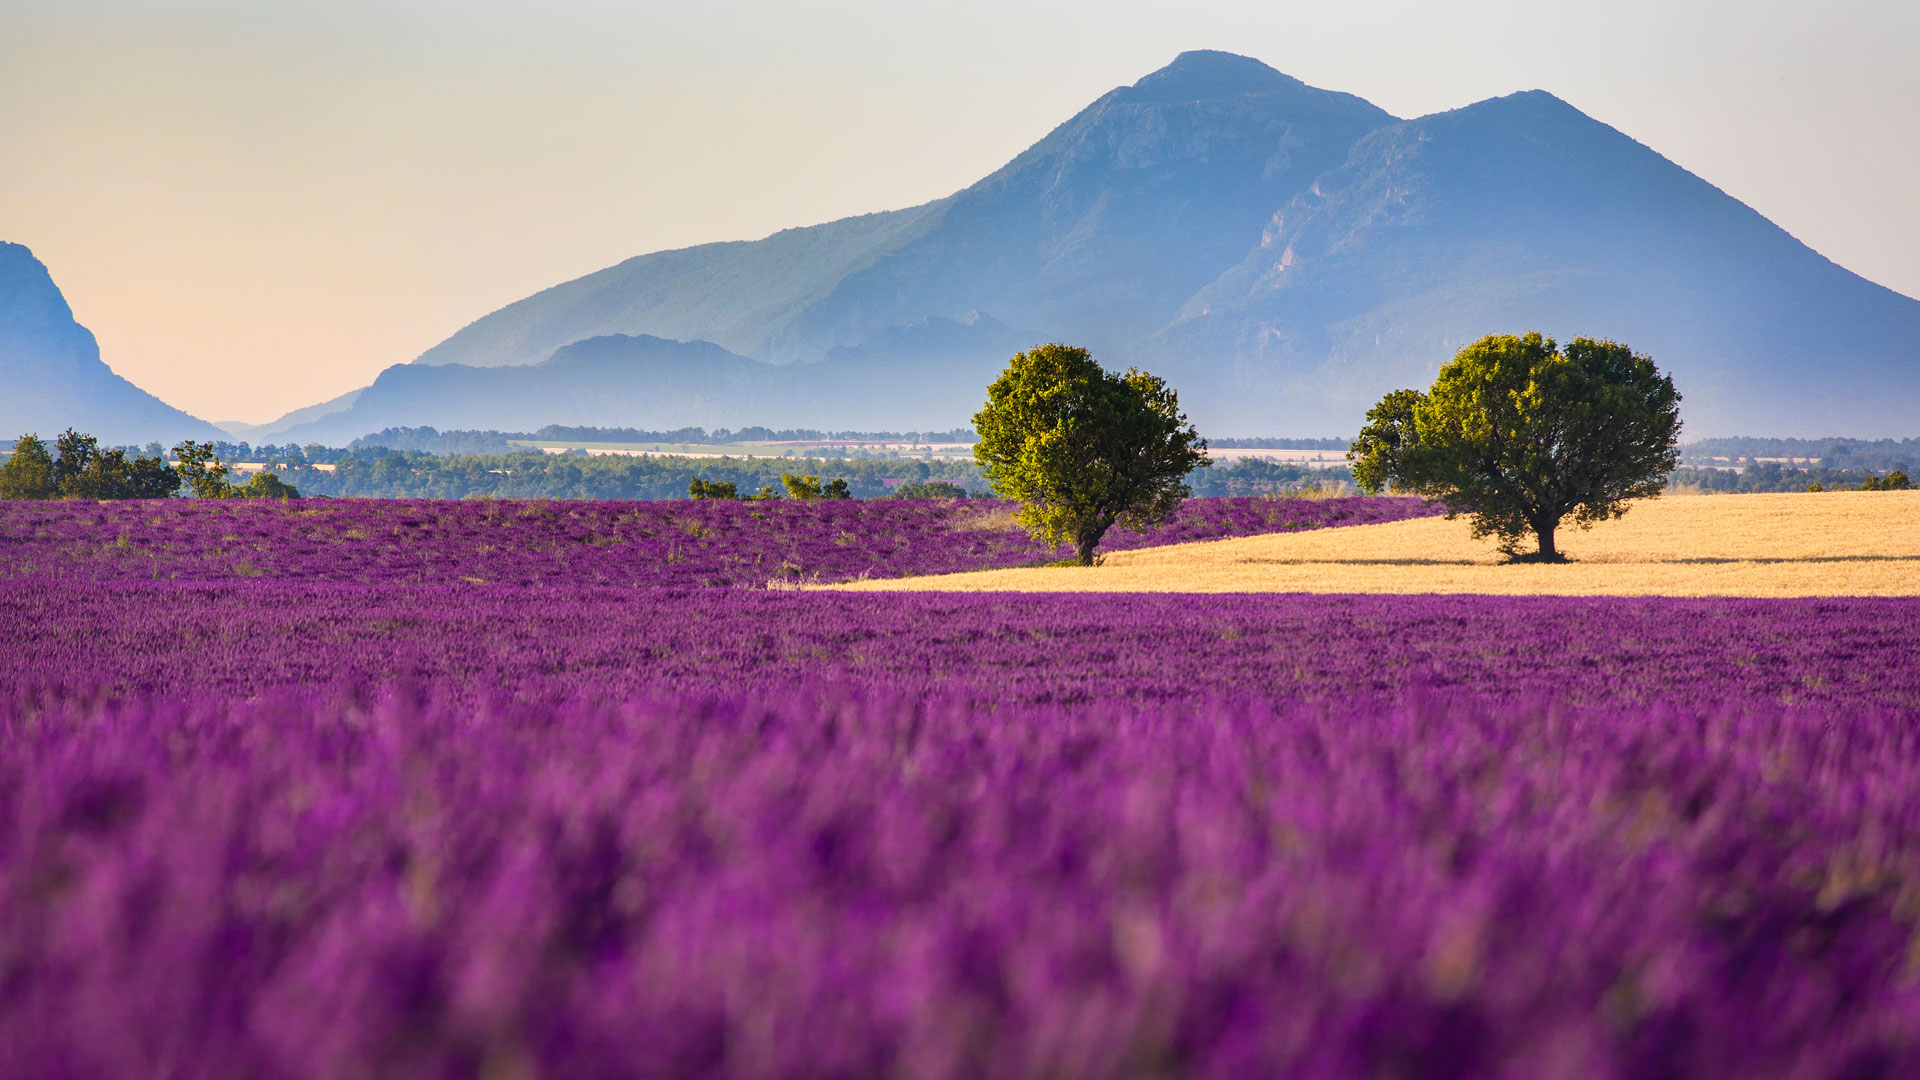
(712, 489)
(267, 485)
(1082, 449)
(29, 473)
(202, 471)
(1520, 434)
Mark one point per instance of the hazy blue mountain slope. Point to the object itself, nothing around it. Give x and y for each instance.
(269, 433)
(1100, 230)
(738, 294)
(1285, 255)
(51, 375)
(1522, 212)
(619, 380)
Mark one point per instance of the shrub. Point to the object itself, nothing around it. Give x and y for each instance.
(715, 489)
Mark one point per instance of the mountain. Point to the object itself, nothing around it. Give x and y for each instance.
(1523, 213)
(53, 375)
(617, 380)
(1283, 254)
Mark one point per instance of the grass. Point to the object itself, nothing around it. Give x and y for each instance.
(1827, 544)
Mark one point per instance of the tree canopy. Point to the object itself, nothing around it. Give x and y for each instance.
(1083, 449)
(29, 473)
(82, 471)
(1520, 434)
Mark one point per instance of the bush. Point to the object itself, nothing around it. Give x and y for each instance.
(267, 486)
(715, 489)
(810, 487)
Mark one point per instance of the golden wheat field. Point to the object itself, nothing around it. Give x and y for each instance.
(1864, 543)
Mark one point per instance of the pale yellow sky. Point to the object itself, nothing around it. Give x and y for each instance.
(256, 207)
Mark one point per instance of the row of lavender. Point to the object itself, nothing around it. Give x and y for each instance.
(704, 543)
(216, 642)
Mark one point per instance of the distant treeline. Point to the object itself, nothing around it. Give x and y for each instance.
(379, 472)
(1878, 455)
(502, 442)
(1279, 444)
(1770, 476)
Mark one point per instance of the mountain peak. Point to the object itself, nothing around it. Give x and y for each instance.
(1208, 73)
(51, 366)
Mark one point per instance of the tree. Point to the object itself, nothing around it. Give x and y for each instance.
(84, 471)
(1520, 434)
(203, 473)
(714, 489)
(77, 455)
(267, 485)
(1083, 449)
(810, 487)
(29, 473)
(1376, 454)
(800, 487)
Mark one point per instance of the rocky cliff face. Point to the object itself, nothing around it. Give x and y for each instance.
(53, 377)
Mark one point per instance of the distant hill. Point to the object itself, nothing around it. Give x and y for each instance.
(51, 375)
(1283, 254)
(641, 381)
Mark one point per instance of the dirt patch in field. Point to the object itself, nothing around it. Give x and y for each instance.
(1822, 544)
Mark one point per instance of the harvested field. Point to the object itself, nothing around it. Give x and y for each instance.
(1822, 544)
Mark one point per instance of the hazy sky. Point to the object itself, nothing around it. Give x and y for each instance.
(258, 205)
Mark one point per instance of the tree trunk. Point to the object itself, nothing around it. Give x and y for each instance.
(1083, 548)
(1545, 531)
(1088, 538)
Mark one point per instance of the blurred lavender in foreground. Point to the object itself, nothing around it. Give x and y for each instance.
(833, 883)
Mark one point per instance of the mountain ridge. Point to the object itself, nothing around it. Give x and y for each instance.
(54, 376)
(1284, 254)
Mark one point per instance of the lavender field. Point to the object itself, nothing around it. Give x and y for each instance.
(647, 544)
(477, 794)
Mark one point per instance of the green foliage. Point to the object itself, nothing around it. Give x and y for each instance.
(202, 471)
(1767, 476)
(1389, 432)
(929, 489)
(810, 487)
(29, 473)
(267, 485)
(1520, 435)
(82, 471)
(1082, 449)
(717, 489)
(1896, 481)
